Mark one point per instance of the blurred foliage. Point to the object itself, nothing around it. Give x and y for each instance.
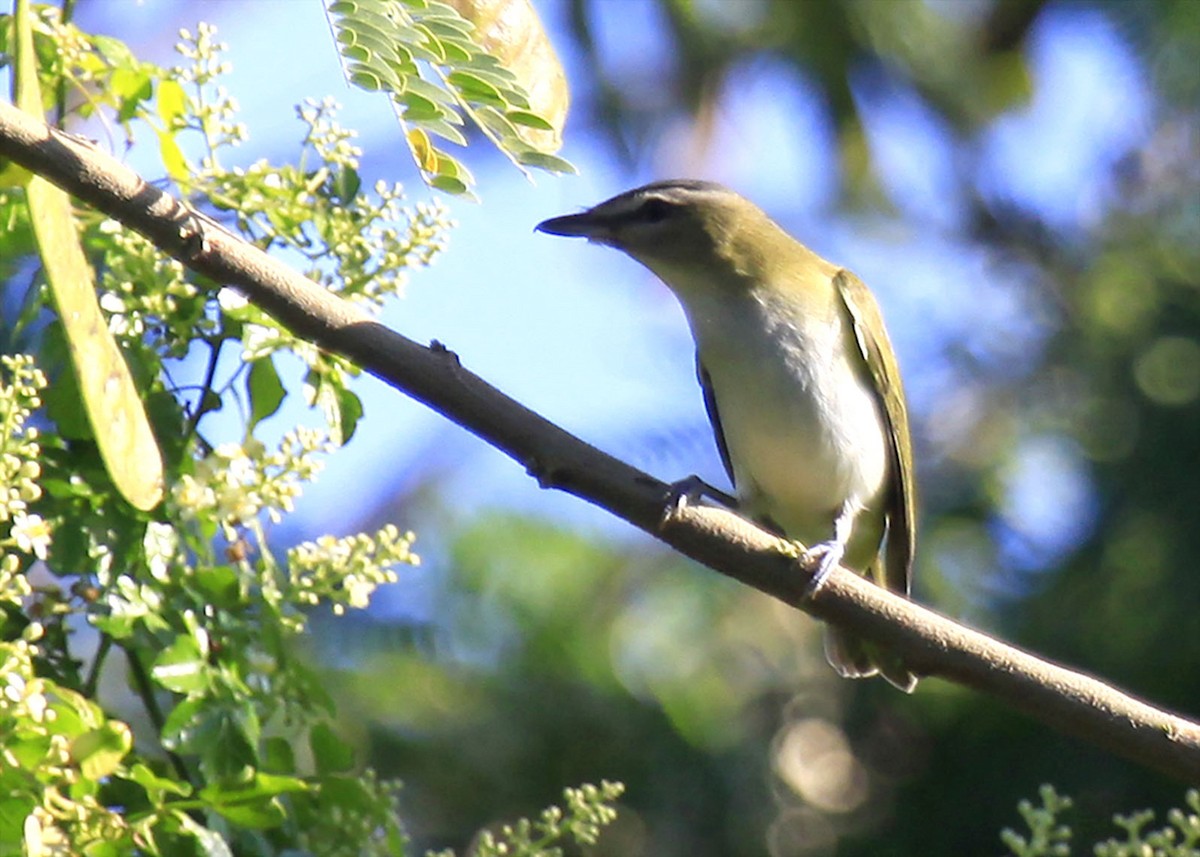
(551, 654)
(555, 656)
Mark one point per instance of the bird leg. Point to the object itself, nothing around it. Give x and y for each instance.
(691, 489)
(824, 557)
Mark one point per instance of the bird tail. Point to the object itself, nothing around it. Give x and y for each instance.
(854, 657)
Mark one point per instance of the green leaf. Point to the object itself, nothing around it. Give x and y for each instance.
(431, 91)
(172, 156)
(377, 44)
(264, 389)
(255, 804)
(386, 77)
(131, 84)
(210, 842)
(444, 130)
(430, 47)
(489, 68)
(261, 814)
(14, 810)
(418, 108)
(445, 15)
(114, 50)
(172, 101)
(349, 412)
(278, 755)
(346, 184)
(495, 122)
(331, 754)
(356, 53)
(156, 787)
(455, 169)
(99, 752)
(449, 184)
(182, 666)
(364, 78)
(456, 53)
(219, 584)
(450, 29)
(543, 161)
(529, 120)
(475, 88)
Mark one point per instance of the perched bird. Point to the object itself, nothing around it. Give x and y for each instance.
(799, 379)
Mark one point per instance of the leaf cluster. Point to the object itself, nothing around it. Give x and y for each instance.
(427, 58)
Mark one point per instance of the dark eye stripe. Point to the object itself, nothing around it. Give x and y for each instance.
(655, 210)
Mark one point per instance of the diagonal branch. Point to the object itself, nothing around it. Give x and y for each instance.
(930, 644)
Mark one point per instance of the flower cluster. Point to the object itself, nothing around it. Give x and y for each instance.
(588, 810)
(347, 571)
(235, 483)
(146, 296)
(359, 244)
(213, 110)
(21, 383)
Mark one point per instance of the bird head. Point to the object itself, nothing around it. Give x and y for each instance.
(687, 232)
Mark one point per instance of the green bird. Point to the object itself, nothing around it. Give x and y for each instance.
(799, 379)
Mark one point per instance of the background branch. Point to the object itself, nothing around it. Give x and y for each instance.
(930, 643)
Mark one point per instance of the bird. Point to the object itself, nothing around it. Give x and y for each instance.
(799, 378)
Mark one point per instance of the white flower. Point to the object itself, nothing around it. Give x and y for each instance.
(31, 533)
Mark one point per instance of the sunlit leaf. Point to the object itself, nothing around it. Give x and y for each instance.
(449, 184)
(445, 130)
(99, 752)
(172, 156)
(552, 163)
(155, 785)
(422, 149)
(475, 88)
(172, 102)
(181, 667)
(530, 120)
(461, 74)
(418, 108)
(364, 78)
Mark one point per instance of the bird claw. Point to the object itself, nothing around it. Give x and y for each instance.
(821, 559)
(689, 490)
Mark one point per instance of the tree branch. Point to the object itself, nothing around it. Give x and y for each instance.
(930, 643)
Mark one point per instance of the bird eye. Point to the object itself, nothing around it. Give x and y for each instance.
(655, 210)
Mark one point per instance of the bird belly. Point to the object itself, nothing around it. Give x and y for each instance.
(805, 435)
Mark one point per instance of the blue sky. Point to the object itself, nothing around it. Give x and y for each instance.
(591, 341)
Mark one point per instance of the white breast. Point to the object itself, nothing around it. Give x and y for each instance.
(804, 433)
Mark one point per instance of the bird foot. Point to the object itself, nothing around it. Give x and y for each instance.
(689, 490)
(821, 559)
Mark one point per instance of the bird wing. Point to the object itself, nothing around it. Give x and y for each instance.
(710, 405)
(880, 360)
